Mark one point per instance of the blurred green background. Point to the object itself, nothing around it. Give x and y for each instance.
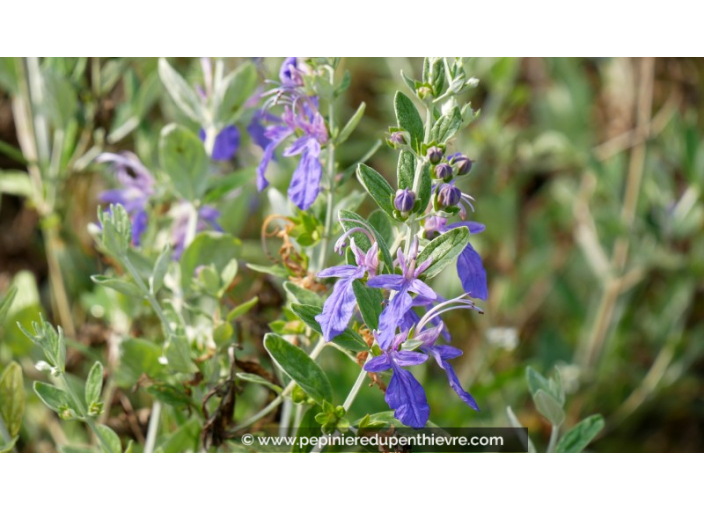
(588, 175)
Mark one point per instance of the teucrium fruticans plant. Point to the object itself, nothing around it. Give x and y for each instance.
(382, 311)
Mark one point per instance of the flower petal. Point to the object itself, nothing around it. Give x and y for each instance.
(378, 363)
(386, 281)
(422, 289)
(305, 183)
(338, 310)
(409, 358)
(342, 272)
(407, 398)
(471, 272)
(455, 385)
(226, 144)
(391, 317)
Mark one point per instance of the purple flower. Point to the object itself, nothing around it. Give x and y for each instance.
(137, 186)
(305, 119)
(257, 129)
(300, 118)
(405, 395)
(226, 143)
(469, 264)
(339, 307)
(443, 353)
(207, 219)
(290, 74)
(401, 301)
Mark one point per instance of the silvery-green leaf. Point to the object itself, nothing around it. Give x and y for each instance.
(549, 407)
(579, 437)
(12, 398)
(181, 92)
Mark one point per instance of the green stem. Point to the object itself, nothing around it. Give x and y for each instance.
(554, 434)
(153, 429)
(148, 295)
(329, 220)
(355, 389)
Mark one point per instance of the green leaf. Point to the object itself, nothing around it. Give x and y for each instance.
(444, 249)
(7, 447)
(379, 189)
(242, 309)
(275, 270)
(536, 381)
(351, 124)
(223, 185)
(299, 367)
(15, 182)
(156, 280)
(348, 339)
(579, 437)
(12, 398)
(409, 119)
(60, 100)
(234, 90)
(137, 357)
(552, 386)
(302, 296)
(94, 384)
(256, 379)
(9, 79)
(446, 126)
(55, 398)
(181, 92)
(361, 240)
(406, 169)
(369, 301)
(111, 438)
(178, 353)
(308, 428)
(382, 225)
(549, 407)
(6, 303)
(121, 286)
(208, 248)
(170, 395)
(182, 156)
(425, 189)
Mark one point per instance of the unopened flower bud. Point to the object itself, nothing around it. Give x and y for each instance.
(424, 92)
(448, 196)
(464, 165)
(434, 155)
(443, 171)
(405, 200)
(397, 138)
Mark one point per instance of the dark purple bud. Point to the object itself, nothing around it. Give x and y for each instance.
(434, 155)
(397, 138)
(443, 171)
(405, 200)
(448, 195)
(464, 165)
